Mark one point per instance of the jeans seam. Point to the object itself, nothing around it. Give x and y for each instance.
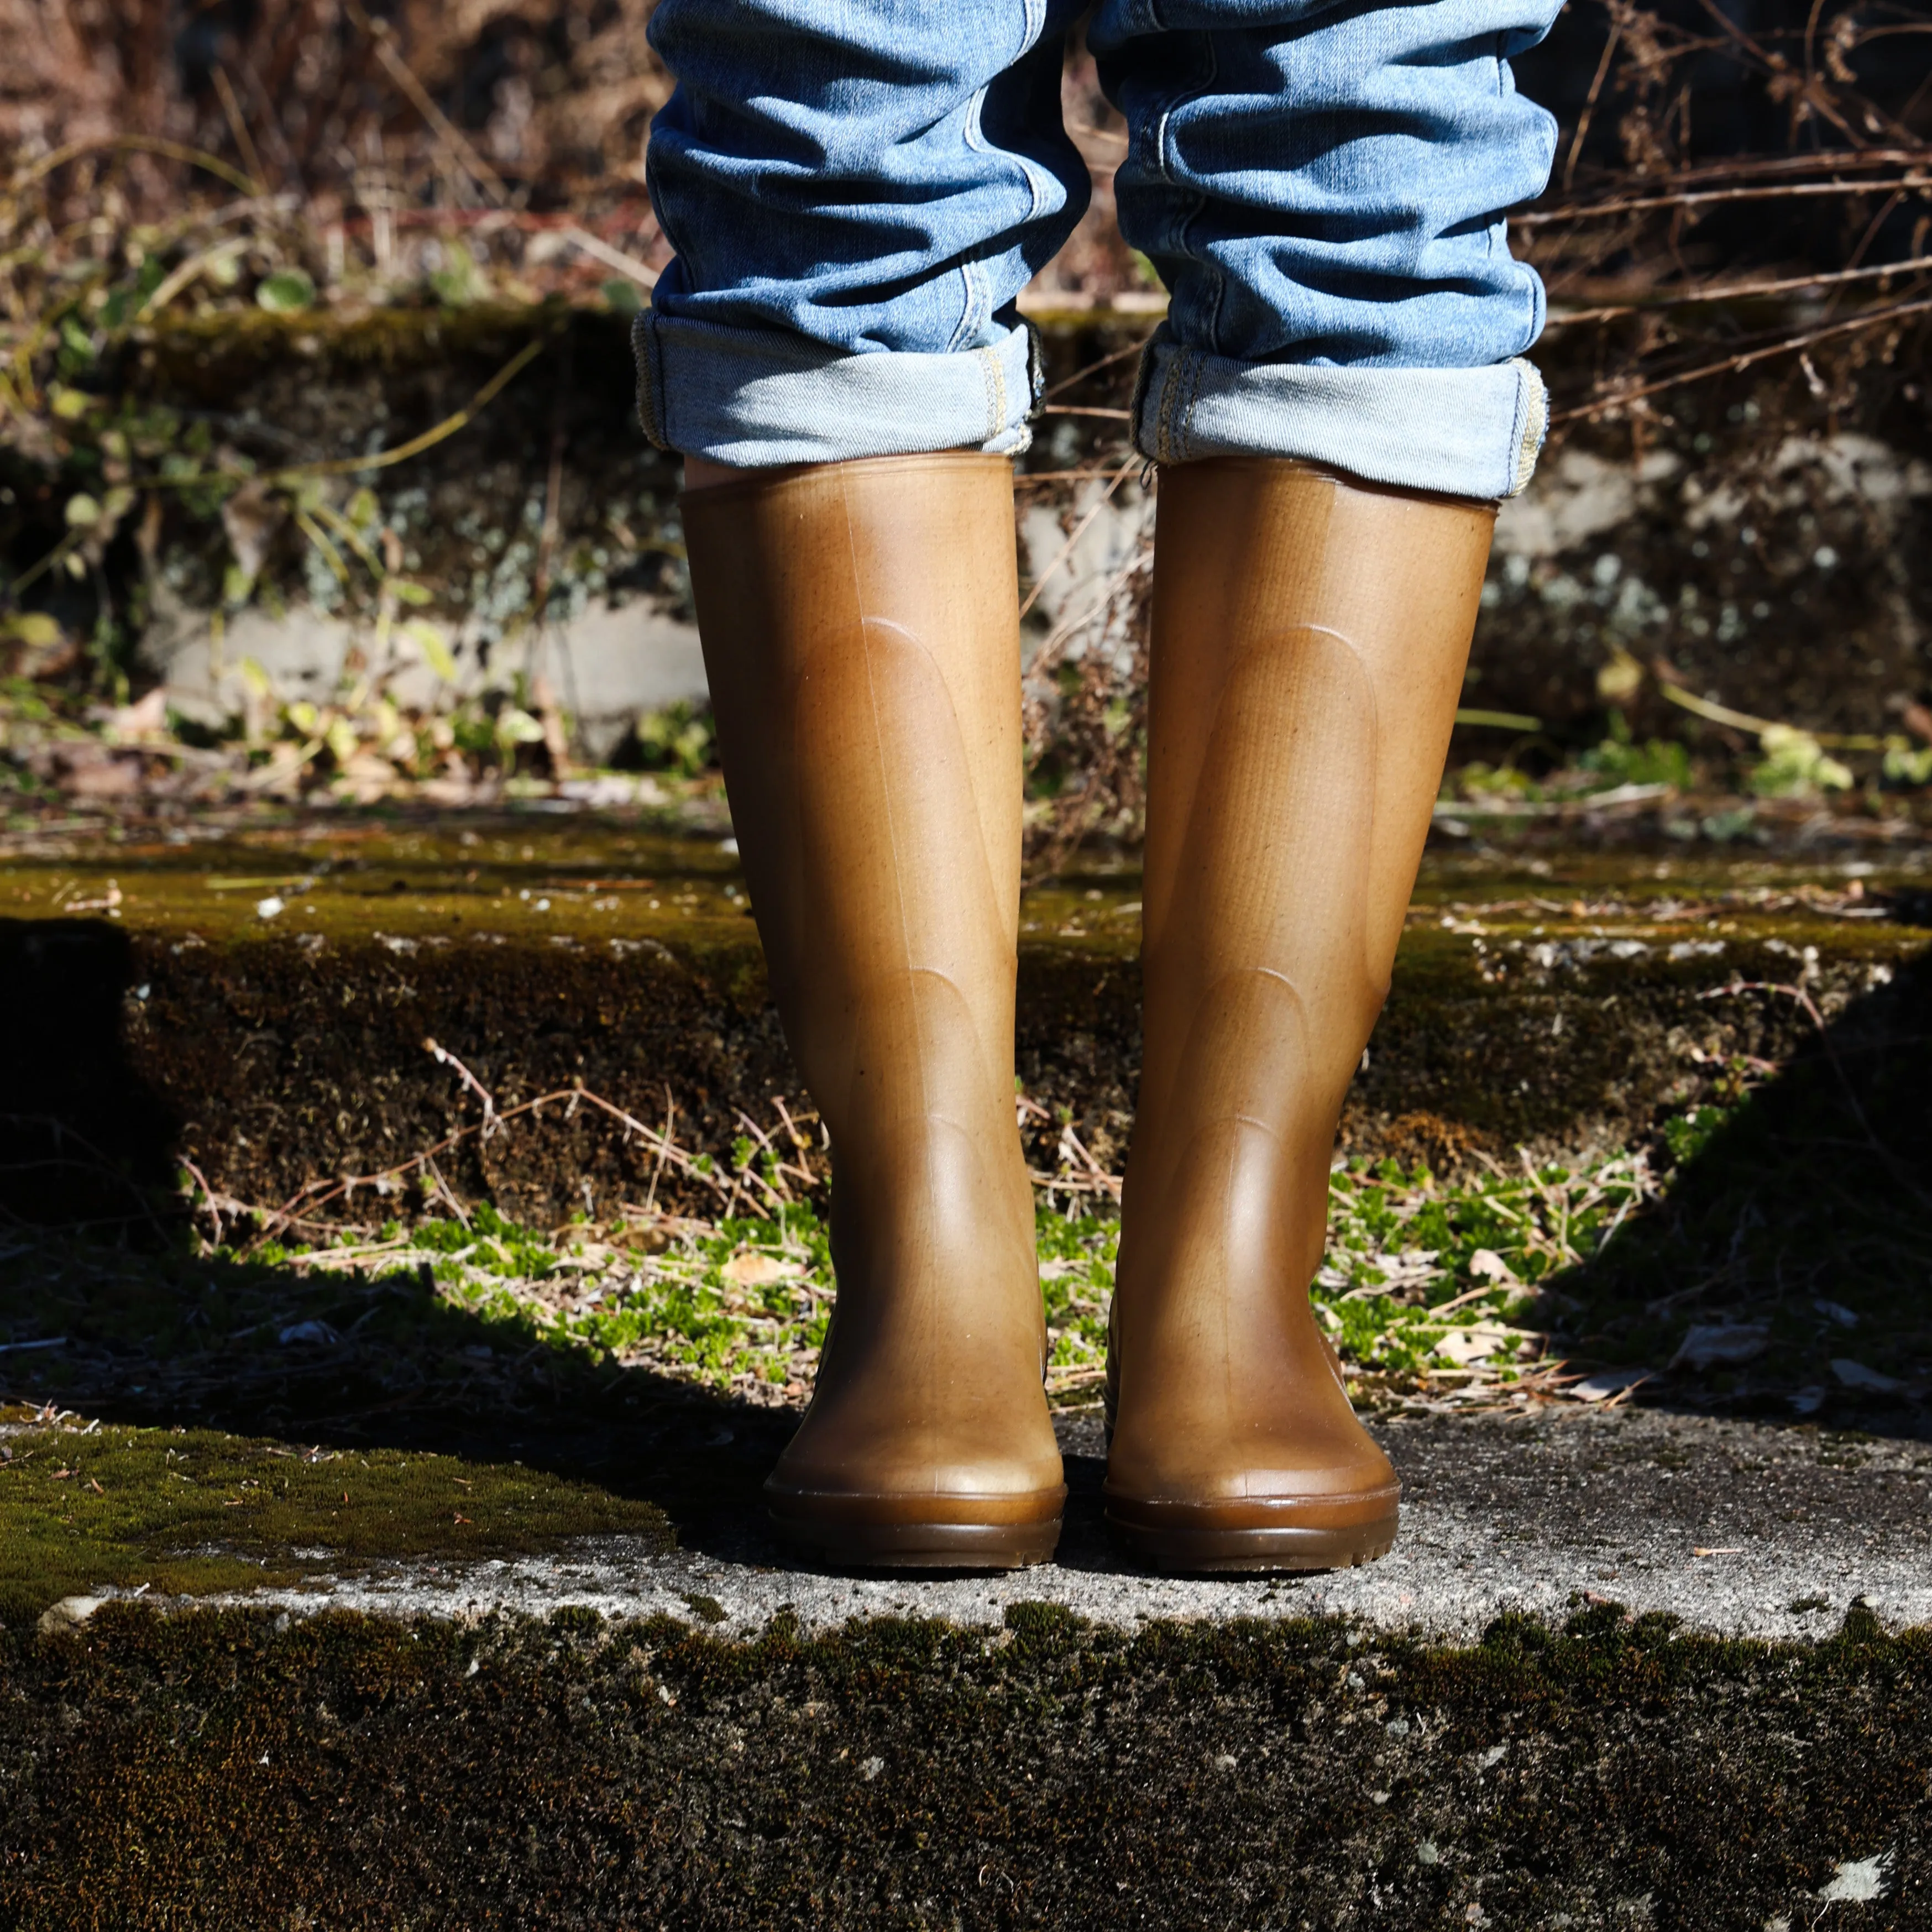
(1532, 413)
(995, 377)
(1169, 445)
(1197, 375)
(650, 409)
(1144, 377)
(1218, 280)
(1034, 18)
(1032, 14)
(1036, 370)
(1036, 26)
(968, 324)
(1162, 449)
(1199, 199)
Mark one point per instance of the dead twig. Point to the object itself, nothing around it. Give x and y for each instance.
(295, 1211)
(491, 1124)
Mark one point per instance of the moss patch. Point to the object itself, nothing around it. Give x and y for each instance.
(184, 1510)
(226, 1769)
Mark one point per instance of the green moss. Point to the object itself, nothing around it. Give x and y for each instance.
(359, 879)
(570, 1771)
(191, 1511)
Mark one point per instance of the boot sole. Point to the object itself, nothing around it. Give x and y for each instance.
(874, 1533)
(1215, 1548)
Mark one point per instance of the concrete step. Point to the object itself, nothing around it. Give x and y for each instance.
(610, 1730)
(1731, 1528)
(256, 998)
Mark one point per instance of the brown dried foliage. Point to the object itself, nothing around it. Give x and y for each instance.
(557, 93)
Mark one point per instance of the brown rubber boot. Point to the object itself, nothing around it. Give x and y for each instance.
(862, 638)
(1310, 638)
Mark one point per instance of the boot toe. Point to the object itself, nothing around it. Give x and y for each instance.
(919, 1503)
(1268, 1508)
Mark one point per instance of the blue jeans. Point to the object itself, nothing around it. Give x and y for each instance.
(857, 190)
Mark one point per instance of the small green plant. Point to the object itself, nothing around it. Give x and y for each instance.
(679, 739)
(458, 282)
(1425, 1277)
(1479, 780)
(1906, 764)
(287, 292)
(1689, 1134)
(1621, 761)
(1796, 765)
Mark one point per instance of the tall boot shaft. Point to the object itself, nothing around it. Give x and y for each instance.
(864, 670)
(861, 635)
(1310, 640)
(1310, 636)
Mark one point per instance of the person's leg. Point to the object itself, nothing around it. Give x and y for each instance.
(856, 196)
(1323, 188)
(1335, 405)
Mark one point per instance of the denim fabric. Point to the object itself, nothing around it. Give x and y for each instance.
(1463, 432)
(753, 397)
(858, 192)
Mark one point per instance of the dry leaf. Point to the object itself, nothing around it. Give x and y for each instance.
(1473, 1344)
(1721, 1345)
(750, 1269)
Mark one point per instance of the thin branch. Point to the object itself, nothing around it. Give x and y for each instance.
(1702, 198)
(383, 459)
(1740, 291)
(460, 150)
(1092, 369)
(1079, 530)
(136, 144)
(1731, 364)
(1590, 104)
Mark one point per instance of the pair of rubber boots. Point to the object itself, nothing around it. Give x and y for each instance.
(861, 634)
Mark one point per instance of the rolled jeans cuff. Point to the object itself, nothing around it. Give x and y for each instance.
(751, 398)
(1471, 433)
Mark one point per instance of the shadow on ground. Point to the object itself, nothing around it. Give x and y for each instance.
(1787, 1272)
(82, 1138)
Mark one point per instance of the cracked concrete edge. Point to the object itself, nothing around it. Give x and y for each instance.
(1446, 1580)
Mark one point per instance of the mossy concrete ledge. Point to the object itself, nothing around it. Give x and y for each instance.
(259, 1004)
(1732, 1528)
(1505, 1724)
(236, 1769)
